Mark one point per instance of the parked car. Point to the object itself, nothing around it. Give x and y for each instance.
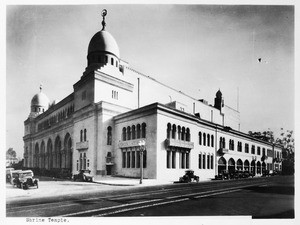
(188, 177)
(246, 174)
(24, 179)
(12, 175)
(83, 175)
(8, 174)
(222, 175)
(265, 173)
(238, 174)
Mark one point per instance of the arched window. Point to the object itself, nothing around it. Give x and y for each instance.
(133, 132)
(188, 135)
(179, 132)
(143, 130)
(208, 140)
(221, 142)
(109, 135)
(112, 61)
(200, 138)
(138, 131)
(124, 134)
(128, 133)
(183, 133)
(204, 139)
(173, 131)
(212, 140)
(168, 130)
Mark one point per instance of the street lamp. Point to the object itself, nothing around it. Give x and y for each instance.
(142, 145)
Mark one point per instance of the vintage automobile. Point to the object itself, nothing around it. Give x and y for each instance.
(265, 173)
(8, 174)
(222, 175)
(83, 175)
(24, 179)
(189, 177)
(12, 175)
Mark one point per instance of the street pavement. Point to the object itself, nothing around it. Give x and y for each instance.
(69, 199)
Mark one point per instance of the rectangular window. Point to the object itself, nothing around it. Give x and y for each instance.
(212, 161)
(144, 159)
(133, 159)
(258, 150)
(204, 158)
(138, 159)
(128, 159)
(187, 160)
(80, 161)
(200, 161)
(124, 159)
(182, 156)
(173, 159)
(208, 161)
(246, 148)
(77, 166)
(168, 159)
(253, 149)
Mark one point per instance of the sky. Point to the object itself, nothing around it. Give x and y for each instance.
(197, 49)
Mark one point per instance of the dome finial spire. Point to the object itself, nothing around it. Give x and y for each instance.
(103, 14)
(41, 87)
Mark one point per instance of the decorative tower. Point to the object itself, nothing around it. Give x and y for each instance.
(219, 102)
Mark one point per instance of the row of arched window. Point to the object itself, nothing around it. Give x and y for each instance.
(134, 132)
(178, 132)
(47, 156)
(206, 139)
(222, 144)
(58, 117)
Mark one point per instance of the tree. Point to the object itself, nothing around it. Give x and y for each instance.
(11, 153)
(286, 140)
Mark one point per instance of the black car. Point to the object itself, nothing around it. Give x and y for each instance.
(83, 175)
(188, 177)
(24, 180)
(222, 175)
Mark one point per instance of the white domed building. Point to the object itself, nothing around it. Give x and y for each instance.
(114, 108)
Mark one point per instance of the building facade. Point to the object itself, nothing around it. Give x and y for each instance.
(113, 107)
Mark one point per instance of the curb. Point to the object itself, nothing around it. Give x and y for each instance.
(111, 184)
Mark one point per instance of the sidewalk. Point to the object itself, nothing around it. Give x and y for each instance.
(124, 181)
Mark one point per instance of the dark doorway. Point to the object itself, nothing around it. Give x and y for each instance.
(108, 170)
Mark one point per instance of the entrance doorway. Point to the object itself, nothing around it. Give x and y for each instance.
(108, 170)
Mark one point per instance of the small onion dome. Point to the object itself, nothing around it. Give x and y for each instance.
(40, 100)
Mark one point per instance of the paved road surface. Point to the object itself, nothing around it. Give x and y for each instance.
(258, 197)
